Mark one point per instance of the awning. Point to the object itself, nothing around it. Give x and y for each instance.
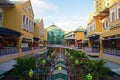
(26, 40)
(6, 3)
(36, 39)
(9, 32)
(94, 37)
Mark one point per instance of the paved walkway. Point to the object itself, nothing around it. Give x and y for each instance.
(7, 66)
(60, 71)
(113, 66)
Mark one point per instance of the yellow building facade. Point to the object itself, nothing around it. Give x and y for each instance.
(105, 23)
(79, 36)
(110, 46)
(18, 23)
(100, 5)
(94, 29)
(45, 35)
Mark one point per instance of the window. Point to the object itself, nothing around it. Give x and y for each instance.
(1, 16)
(26, 21)
(112, 15)
(23, 19)
(103, 25)
(106, 24)
(29, 25)
(118, 13)
(32, 27)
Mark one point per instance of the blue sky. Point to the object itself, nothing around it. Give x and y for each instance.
(66, 14)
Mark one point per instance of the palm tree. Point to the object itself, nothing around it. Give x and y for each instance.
(97, 69)
(23, 66)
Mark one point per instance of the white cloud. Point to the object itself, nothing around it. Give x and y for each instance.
(39, 6)
(65, 22)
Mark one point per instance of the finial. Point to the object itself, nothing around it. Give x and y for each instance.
(53, 23)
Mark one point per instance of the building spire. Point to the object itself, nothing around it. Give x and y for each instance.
(53, 23)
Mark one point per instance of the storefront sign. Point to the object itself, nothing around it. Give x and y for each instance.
(24, 45)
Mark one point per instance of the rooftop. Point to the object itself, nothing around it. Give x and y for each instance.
(80, 29)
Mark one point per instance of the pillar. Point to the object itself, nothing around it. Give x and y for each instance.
(32, 48)
(101, 48)
(89, 44)
(19, 41)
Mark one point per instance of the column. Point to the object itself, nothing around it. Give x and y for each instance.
(89, 44)
(19, 41)
(101, 48)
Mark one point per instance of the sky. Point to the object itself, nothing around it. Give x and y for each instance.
(66, 14)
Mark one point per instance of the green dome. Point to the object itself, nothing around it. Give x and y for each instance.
(55, 34)
(80, 29)
(53, 27)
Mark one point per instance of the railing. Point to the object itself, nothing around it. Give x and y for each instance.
(26, 49)
(92, 49)
(96, 49)
(112, 51)
(35, 48)
(8, 50)
(88, 49)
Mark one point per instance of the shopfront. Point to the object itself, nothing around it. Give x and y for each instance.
(36, 43)
(111, 46)
(8, 41)
(26, 44)
(95, 42)
(79, 44)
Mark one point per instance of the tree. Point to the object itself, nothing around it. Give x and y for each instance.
(97, 69)
(23, 66)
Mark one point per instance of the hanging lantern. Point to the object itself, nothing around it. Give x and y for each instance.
(30, 73)
(43, 61)
(68, 54)
(71, 57)
(113, 42)
(89, 76)
(76, 62)
(59, 68)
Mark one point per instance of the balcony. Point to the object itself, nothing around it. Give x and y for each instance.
(92, 49)
(112, 51)
(8, 50)
(26, 49)
(35, 48)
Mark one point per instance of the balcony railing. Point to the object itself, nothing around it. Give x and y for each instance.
(26, 49)
(112, 51)
(8, 50)
(35, 48)
(92, 49)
